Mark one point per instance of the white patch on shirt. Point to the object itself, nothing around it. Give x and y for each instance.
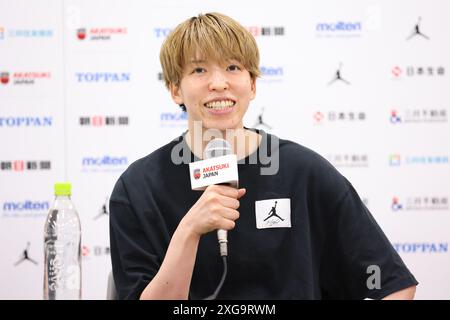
(273, 213)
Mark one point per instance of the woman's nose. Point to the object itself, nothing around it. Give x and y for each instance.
(218, 81)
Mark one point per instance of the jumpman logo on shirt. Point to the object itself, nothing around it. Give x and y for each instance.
(338, 76)
(417, 32)
(273, 213)
(25, 256)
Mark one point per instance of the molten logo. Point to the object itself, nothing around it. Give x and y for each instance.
(26, 205)
(104, 161)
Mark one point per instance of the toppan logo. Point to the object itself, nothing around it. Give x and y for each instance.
(26, 121)
(197, 174)
(213, 171)
(99, 33)
(105, 77)
(421, 247)
(162, 32)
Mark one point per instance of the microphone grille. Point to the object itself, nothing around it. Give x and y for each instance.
(217, 148)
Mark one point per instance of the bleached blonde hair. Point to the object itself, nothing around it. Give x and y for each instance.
(213, 36)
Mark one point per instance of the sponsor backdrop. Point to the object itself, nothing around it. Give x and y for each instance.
(361, 82)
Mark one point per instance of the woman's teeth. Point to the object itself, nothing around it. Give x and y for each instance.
(218, 105)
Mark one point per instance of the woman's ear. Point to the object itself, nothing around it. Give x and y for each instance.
(253, 88)
(175, 92)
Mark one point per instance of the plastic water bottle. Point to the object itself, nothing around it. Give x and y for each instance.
(62, 248)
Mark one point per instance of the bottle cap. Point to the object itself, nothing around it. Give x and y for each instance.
(63, 189)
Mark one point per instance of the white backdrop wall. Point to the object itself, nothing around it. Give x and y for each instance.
(81, 99)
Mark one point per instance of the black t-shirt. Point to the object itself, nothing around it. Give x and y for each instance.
(316, 239)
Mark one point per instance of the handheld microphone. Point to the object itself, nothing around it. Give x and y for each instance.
(218, 148)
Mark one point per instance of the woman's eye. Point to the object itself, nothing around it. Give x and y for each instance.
(233, 67)
(198, 70)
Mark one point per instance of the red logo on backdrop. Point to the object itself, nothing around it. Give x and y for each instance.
(396, 205)
(18, 165)
(85, 251)
(97, 121)
(197, 174)
(4, 77)
(81, 33)
(318, 116)
(396, 71)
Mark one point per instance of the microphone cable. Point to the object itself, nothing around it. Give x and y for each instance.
(222, 280)
(217, 148)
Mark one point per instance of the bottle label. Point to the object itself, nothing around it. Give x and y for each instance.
(62, 273)
(73, 277)
(54, 271)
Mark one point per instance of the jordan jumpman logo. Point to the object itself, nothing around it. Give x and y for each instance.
(273, 213)
(25, 256)
(338, 76)
(417, 32)
(260, 121)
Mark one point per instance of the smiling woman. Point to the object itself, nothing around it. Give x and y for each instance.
(210, 72)
(301, 232)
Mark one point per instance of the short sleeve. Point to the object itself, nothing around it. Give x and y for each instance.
(135, 259)
(355, 249)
